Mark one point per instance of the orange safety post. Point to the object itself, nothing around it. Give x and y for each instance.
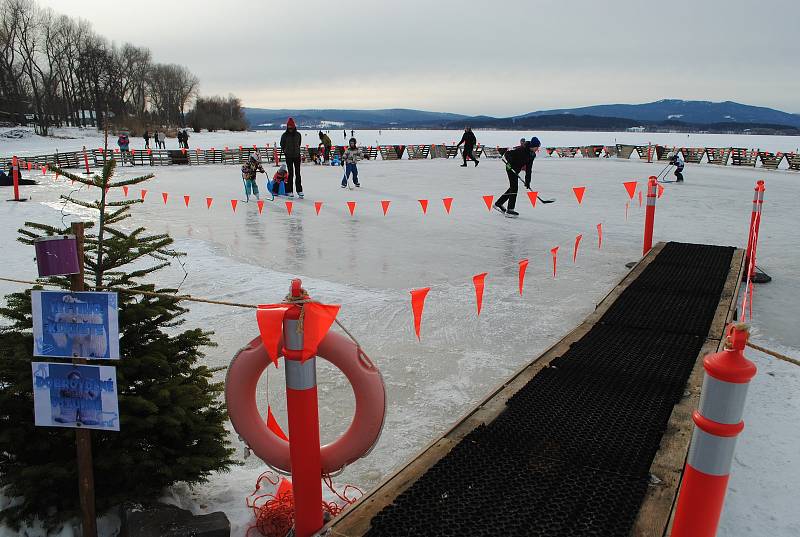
(86, 161)
(15, 177)
(650, 214)
(755, 220)
(718, 422)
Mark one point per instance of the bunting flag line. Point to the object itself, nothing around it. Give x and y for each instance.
(124, 190)
(533, 196)
(209, 201)
(424, 205)
(272, 425)
(478, 282)
(417, 305)
(234, 203)
(385, 205)
(660, 190)
(260, 204)
(554, 252)
(575, 249)
(351, 206)
(186, 201)
(317, 206)
(143, 193)
(579, 191)
(164, 196)
(523, 266)
(488, 201)
(448, 202)
(289, 205)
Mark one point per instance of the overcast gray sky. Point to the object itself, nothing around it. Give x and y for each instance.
(498, 58)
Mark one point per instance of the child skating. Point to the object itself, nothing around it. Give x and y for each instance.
(249, 171)
(350, 157)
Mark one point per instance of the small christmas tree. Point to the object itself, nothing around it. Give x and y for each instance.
(172, 418)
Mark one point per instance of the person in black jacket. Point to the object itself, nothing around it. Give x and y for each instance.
(516, 160)
(469, 141)
(291, 140)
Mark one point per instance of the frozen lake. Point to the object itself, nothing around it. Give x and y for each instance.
(369, 262)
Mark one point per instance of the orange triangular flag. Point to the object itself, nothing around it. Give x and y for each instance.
(289, 205)
(488, 201)
(533, 196)
(351, 205)
(554, 251)
(640, 198)
(234, 203)
(523, 266)
(660, 190)
(284, 490)
(599, 235)
(317, 206)
(44, 170)
(385, 206)
(272, 425)
(317, 320)
(124, 190)
(417, 305)
(186, 200)
(424, 205)
(143, 193)
(270, 326)
(579, 192)
(630, 187)
(478, 282)
(575, 250)
(448, 202)
(209, 201)
(164, 196)
(260, 204)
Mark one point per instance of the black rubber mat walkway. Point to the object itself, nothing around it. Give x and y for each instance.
(570, 454)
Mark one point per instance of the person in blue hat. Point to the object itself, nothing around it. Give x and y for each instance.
(516, 160)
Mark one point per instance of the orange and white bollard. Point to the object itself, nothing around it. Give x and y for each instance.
(650, 214)
(15, 177)
(718, 423)
(755, 220)
(303, 416)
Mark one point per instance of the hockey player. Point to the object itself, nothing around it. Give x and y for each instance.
(677, 160)
(469, 141)
(516, 160)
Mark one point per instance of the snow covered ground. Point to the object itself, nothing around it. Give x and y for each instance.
(369, 262)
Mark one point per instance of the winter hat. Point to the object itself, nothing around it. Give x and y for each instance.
(535, 142)
(282, 168)
(290, 124)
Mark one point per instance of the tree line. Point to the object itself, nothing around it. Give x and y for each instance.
(62, 73)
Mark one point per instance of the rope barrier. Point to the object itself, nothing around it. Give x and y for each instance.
(774, 354)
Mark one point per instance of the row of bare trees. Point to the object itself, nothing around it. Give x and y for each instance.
(63, 73)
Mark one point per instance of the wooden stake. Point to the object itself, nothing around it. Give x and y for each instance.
(83, 437)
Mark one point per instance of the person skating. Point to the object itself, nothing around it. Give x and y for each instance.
(281, 176)
(469, 141)
(677, 160)
(291, 141)
(326, 141)
(516, 160)
(350, 157)
(249, 171)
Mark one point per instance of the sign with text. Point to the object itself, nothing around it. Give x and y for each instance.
(75, 324)
(71, 395)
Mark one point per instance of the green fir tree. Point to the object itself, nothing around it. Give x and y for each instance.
(171, 413)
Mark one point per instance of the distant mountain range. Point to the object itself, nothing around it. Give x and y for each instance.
(667, 114)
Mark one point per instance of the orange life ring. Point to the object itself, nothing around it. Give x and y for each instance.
(357, 441)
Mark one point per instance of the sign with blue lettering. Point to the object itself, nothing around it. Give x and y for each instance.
(71, 395)
(75, 324)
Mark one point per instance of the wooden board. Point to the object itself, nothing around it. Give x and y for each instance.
(355, 520)
(655, 515)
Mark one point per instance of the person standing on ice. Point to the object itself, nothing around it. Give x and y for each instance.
(249, 171)
(516, 160)
(677, 160)
(291, 140)
(326, 141)
(469, 141)
(146, 139)
(349, 159)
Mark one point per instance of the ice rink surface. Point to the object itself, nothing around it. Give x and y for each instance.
(368, 263)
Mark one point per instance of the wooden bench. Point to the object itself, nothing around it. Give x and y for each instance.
(744, 157)
(567, 152)
(645, 152)
(693, 155)
(663, 152)
(610, 151)
(793, 159)
(718, 155)
(418, 152)
(770, 161)
(491, 152)
(591, 151)
(625, 151)
(451, 150)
